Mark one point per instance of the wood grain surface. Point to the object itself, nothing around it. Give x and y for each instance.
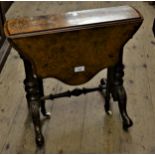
(58, 55)
(70, 21)
(80, 125)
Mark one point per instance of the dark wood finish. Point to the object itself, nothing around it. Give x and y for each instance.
(70, 21)
(42, 102)
(75, 92)
(72, 51)
(117, 90)
(54, 45)
(33, 100)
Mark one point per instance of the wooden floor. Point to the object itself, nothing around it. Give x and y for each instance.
(79, 124)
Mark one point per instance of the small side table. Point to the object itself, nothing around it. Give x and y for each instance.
(73, 47)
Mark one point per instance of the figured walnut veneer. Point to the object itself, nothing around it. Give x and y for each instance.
(56, 44)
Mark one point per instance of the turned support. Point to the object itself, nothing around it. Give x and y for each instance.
(119, 93)
(114, 86)
(33, 100)
(42, 102)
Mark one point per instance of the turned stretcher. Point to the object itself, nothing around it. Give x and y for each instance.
(73, 47)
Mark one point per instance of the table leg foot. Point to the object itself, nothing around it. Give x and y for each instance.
(118, 92)
(39, 140)
(34, 109)
(46, 114)
(122, 99)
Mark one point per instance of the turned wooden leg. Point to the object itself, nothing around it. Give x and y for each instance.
(32, 95)
(119, 93)
(41, 92)
(122, 100)
(107, 92)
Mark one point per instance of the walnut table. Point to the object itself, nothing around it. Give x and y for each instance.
(73, 47)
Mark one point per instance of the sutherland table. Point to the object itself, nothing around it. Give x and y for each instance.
(73, 47)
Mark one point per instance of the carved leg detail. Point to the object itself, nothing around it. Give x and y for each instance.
(41, 92)
(34, 109)
(122, 99)
(31, 88)
(118, 92)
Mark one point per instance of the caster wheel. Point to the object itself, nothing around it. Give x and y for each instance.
(107, 108)
(48, 115)
(109, 112)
